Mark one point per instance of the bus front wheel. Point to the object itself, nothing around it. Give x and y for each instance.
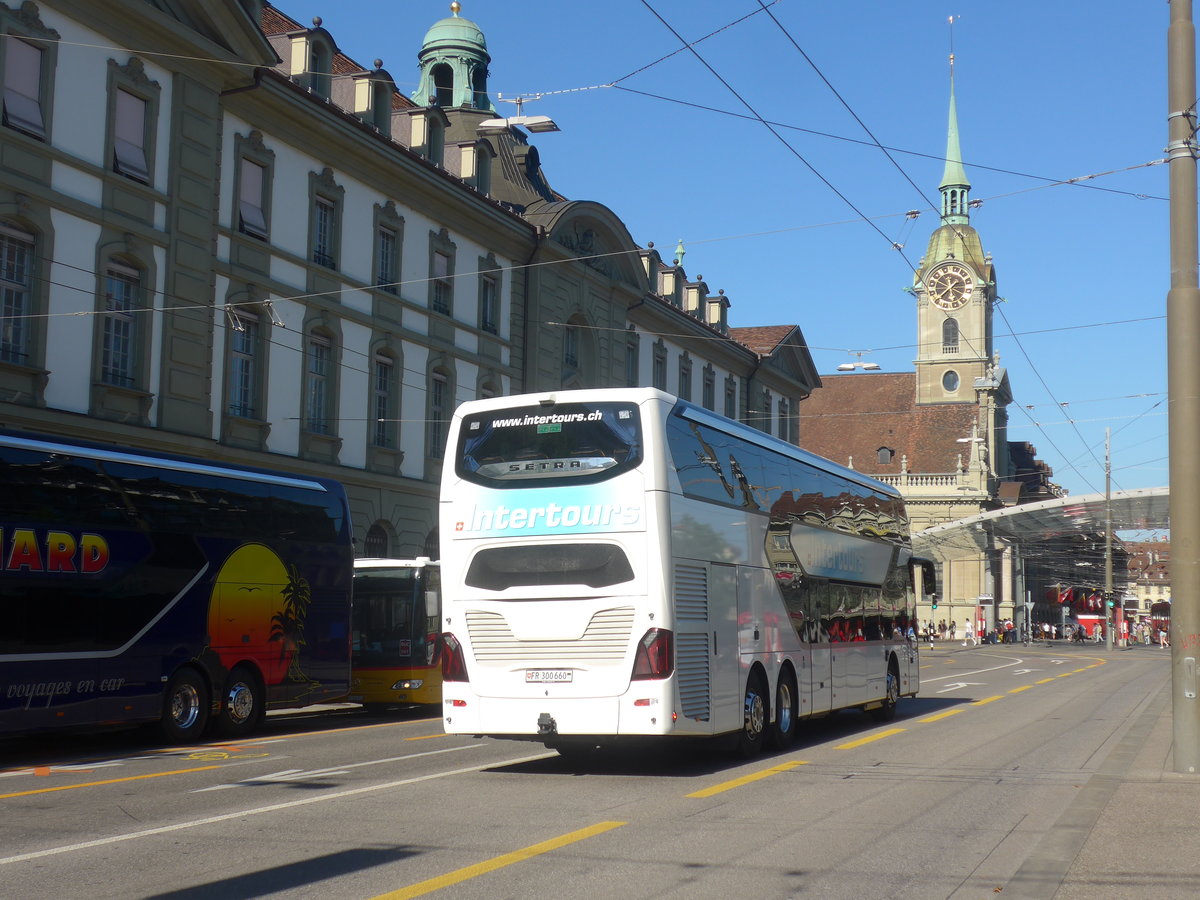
(185, 707)
(756, 711)
(886, 710)
(242, 707)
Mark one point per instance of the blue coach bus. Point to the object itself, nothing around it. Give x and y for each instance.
(140, 587)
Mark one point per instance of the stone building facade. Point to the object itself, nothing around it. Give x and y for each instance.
(238, 243)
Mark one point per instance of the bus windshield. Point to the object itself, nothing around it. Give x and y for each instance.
(535, 444)
(389, 618)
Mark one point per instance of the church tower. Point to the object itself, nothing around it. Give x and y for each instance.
(955, 287)
(454, 65)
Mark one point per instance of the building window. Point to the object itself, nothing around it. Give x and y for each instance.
(765, 405)
(23, 88)
(16, 297)
(950, 381)
(324, 214)
(632, 352)
(950, 335)
(731, 393)
(709, 391)
(886, 454)
(383, 402)
(252, 217)
(129, 137)
(443, 286)
(659, 373)
(387, 258)
(439, 414)
(784, 424)
(318, 387)
(122, 300)
(243, 365)
(685, 377)
(489, 304)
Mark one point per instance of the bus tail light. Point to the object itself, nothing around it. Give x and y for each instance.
(454, 661)
(655, 657)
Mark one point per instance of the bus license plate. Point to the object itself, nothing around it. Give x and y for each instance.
(548, 676)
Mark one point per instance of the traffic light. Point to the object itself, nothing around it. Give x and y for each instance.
(935, 602)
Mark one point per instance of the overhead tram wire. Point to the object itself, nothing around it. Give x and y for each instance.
(921, 193)
(768, 125)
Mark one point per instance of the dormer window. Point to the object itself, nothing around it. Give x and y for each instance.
(320, 67)
(886, 455)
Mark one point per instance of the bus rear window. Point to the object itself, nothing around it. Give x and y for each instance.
(540, 565)
(532, 445)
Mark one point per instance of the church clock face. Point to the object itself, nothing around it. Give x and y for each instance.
(950, 285)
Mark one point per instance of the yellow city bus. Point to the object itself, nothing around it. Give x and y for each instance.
(396, 650)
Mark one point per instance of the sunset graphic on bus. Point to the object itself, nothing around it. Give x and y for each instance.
(257, 612)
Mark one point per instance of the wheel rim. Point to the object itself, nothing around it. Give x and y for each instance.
(185, 706)
(240, 701)
(893, 688)
(755, 713)
(785, 708)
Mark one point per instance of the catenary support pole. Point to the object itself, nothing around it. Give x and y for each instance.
(1183, 387)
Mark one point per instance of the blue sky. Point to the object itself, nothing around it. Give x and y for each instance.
(1046, 92)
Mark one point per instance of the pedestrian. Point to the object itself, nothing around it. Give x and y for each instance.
(1163, 640)
(968, 633)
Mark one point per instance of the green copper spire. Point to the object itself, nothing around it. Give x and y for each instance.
(954, 187)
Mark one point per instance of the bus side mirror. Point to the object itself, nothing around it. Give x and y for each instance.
(928, 571)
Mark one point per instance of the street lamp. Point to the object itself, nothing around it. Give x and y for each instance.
(536, 124)
(859, 364)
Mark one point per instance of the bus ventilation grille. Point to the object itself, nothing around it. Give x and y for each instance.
(605, 640)
(691, 593)
(691, 665)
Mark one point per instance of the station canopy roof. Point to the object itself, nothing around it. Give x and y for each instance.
(1030, 524)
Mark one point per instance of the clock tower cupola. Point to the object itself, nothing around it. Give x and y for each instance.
(955, 288)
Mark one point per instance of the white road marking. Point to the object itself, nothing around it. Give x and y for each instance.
(274, 807)
(299, 774)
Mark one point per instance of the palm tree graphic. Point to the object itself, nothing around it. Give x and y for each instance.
(287, 625)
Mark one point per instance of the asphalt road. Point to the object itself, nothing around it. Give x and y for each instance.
(952, 799)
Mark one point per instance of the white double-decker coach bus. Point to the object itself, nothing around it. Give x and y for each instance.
(622, 563)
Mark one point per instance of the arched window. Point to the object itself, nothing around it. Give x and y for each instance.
(886, 454)
(432, 547)
(443, 85)
(375, 545)
(950, 335)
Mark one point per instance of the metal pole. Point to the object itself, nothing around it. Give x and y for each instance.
(1108, 582)
(1183, 387)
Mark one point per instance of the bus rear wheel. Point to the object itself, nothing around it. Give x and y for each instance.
(783, 732)
(185, 707)
(756, 711)
(242, 707)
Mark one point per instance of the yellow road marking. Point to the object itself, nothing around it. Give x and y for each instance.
(71, 787)
(942, 715)
(1044, 681)
(1027, 687)
(869, 739)
(745, 779)
(1064, 674)
(426, 737)
(987, 700)
(443, 881)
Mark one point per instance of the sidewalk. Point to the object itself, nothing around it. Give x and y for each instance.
(1133, 830)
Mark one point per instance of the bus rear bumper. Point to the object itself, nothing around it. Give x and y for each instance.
(546, 718)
